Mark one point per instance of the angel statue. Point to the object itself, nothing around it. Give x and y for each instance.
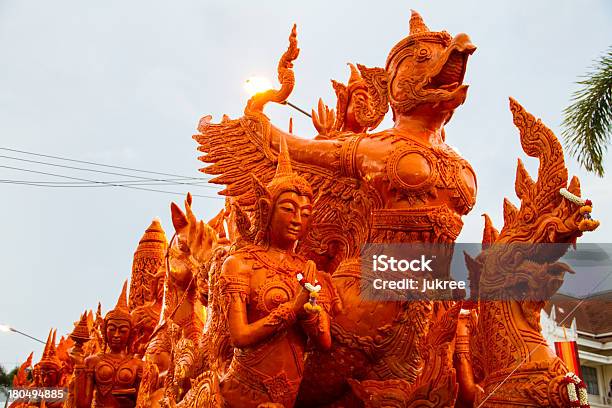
(400, 185)
(112, 377)
(270, 298)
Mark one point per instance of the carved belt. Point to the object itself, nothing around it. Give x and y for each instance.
(278, 388)
(444, 223)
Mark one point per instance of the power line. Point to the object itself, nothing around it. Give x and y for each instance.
(107, 183)
(105, 172)
(96, 164)
(88, 184)
(78, 184)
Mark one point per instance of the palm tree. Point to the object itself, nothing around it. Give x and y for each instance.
(588, 120)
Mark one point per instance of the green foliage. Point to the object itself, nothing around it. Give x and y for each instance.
(6, 379)
(588, 120)
(3, 377)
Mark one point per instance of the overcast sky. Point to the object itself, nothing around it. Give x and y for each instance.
(125, 83)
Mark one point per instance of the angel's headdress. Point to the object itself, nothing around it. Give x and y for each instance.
(49, 357)
(121, 311)
(418, 32)
(284, 180)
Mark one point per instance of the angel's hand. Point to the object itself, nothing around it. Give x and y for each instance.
(325, 120)
(76, 356)
(310, 272)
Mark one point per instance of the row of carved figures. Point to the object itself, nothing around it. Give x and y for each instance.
(195, 331)
(262, 305)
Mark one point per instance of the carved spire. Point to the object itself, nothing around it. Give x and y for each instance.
(121, 311)
(355, 75)
(49, 356)
(283, 167)
(81, 329)
(122, 301)
(47, 345)
(285, 179)
(490, 233)
(148, 258)
(417, 25)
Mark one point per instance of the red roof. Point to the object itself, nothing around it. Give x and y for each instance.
(593, 314)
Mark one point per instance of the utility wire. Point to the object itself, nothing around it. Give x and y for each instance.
(88, 184)
(78, 184)
(103, 172)
(107, 183)
(96, 164)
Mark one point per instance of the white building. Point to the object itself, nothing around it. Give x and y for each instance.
(587, 321)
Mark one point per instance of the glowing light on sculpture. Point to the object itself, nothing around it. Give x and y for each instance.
(255, 85)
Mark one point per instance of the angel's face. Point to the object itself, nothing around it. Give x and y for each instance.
(48, 375)
(117, 334)
(290, 217)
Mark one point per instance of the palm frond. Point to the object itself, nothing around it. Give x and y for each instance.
(588, 120)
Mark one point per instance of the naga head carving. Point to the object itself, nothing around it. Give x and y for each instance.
(521, 261)
(426, 69)
(545, 215)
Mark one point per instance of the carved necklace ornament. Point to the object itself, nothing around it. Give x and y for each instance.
(279, 286)
(115, 372)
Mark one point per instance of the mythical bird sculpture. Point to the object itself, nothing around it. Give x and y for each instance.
(399, 185)
(113, 376)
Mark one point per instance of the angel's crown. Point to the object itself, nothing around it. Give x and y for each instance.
(49, 356)
(121, 311)
(284, 178)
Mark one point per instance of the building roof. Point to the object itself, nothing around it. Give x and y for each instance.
(593, 314)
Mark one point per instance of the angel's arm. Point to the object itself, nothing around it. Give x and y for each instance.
(84, 382)
(332, 155)
(339, 156)
(324, 153)
(234, 290)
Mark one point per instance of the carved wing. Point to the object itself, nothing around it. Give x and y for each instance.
(237, 148)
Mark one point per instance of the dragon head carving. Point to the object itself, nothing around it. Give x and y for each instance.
(521, 261)
(427, 68)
